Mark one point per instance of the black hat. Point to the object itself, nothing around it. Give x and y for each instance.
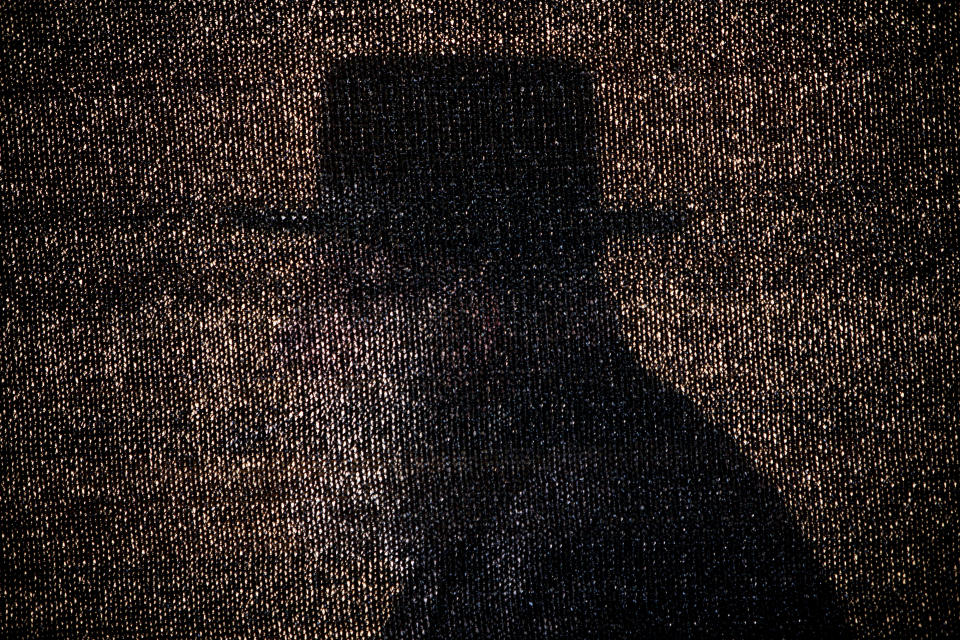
(464, 156)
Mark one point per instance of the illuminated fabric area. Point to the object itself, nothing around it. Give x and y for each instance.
(479, 319)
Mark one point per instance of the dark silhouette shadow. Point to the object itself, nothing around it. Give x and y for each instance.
(597, 501)
(614, 509)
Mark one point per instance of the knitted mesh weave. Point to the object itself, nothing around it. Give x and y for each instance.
(479, 319)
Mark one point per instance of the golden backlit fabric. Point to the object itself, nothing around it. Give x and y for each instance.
(476, 319)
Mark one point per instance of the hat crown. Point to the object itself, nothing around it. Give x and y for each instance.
(468, 151)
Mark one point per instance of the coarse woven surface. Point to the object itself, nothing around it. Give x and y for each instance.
(501, 319)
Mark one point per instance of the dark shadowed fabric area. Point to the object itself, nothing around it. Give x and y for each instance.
(467, 320)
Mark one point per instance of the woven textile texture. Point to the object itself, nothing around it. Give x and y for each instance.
(479, 319)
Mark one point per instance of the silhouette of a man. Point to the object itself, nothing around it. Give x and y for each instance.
(551, 486)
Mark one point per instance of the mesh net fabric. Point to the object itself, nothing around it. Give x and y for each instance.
(479, 319)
